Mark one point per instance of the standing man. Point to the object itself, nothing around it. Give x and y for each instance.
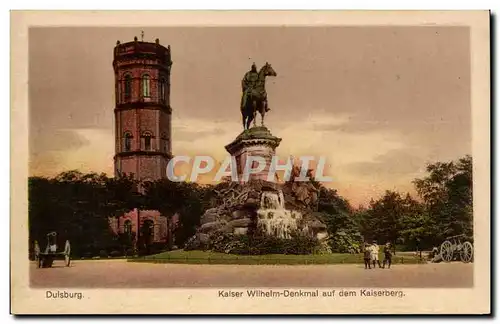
(366, 251)
(67, 252)
(387, 256)
(374, 249)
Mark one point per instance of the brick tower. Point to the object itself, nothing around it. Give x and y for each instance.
(142, 128)
(142, 111)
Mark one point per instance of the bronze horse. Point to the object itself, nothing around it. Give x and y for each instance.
(256, 97)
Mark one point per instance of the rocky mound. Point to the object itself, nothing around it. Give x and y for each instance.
(235, 209)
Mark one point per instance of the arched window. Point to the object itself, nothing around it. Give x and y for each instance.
(127, 227)
(127, 145)
(147, 137)
(147, 231)
(146, 90)
(163, 85)
(128, 87)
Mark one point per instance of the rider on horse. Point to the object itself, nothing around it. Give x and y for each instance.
(249, 84)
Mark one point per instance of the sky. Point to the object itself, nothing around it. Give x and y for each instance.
(378, 103)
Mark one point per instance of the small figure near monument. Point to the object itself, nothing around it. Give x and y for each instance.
(254, 96)
(374, 249)
(366, 258)
(67, 252)
(387, 256)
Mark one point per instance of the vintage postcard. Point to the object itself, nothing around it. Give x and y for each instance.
(245, 162)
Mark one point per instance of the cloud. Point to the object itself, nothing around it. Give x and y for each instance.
(342, 148)
(372, 106)
(399, 162)
(362, 164)
(187, 134)
(353, 126)
(57, 140)
(196, 136)
(85, 149)
(98, 155)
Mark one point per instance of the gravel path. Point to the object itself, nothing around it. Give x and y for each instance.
(121, 274)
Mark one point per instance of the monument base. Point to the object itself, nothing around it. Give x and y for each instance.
(256, 141)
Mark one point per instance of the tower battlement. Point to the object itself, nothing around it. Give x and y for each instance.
(131, 51)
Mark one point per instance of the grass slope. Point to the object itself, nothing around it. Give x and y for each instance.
(202, 257)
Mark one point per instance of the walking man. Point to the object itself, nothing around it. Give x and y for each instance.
(374, 249)
(366, 251)
(387, 255)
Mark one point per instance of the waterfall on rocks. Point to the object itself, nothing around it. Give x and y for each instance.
(273, 218)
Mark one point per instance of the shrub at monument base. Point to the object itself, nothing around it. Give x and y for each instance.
(258, 244)
(297, 244)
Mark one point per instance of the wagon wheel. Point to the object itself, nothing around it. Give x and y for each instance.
(447, 251)
(466, 252)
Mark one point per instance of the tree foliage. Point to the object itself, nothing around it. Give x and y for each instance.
(447, 197)
(78, 207)
(444, 208)
(186, 199)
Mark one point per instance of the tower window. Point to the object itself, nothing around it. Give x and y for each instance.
(147, 141)
(117, 92)
(128, 87)
(128, 142)
(163, 85)
(166, 146)
(164, 142)
(146, 90)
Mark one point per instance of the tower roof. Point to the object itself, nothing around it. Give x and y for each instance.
(138, 48)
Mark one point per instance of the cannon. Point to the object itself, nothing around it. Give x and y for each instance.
(46, 259)
(456, 247)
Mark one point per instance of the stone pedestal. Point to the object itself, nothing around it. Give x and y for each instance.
(256, 141)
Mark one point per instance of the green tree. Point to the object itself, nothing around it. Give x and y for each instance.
(186, 199)
(197, 201)
(336, 213)
(417, 229)
(77, 206)
(382, 219)
(447, 195)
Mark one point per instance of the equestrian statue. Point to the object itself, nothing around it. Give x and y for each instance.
(254, 97)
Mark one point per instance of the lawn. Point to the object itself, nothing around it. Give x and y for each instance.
(202, 257)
